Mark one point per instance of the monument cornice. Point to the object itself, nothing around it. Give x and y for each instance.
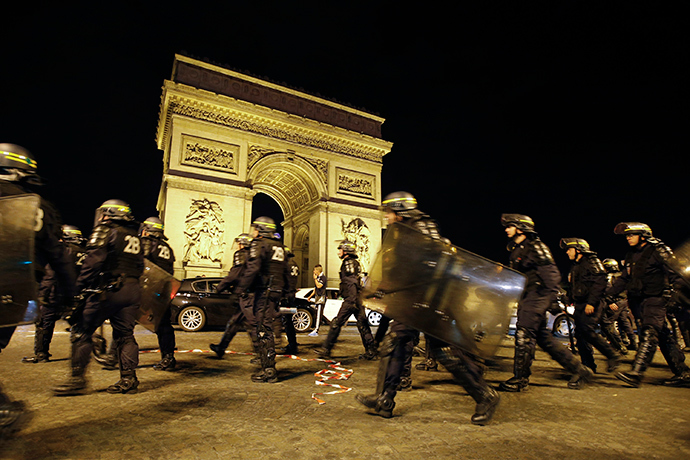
(216, 112)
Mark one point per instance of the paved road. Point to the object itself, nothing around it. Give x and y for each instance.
(209, 409)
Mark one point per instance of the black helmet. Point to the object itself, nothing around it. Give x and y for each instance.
(17, 163)
(71, 234)
(399, 203)
(577, 243)
(611, 265)
(348, 247)
(115, 210)
(520, 221)
(244, 239)
(153, 226)
(288, 252)
(633, 228)
(265, 226)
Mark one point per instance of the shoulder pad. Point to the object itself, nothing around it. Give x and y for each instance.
(664, 251)
(99, 237)
(541, 252)
(595, 263)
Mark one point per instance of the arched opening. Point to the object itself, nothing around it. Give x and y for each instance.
(264, 205)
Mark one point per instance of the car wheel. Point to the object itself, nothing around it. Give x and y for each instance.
(374, 318)
(303, 320)
(191, 319)
(560, 326)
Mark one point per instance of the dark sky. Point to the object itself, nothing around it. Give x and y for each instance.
(573, 113)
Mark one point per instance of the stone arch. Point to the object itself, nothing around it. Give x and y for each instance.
(288, 179)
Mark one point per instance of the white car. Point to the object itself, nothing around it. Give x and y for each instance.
(305, 319)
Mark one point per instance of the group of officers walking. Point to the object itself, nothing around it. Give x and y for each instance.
(99, 279)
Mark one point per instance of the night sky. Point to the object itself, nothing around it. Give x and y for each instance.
(573, 113)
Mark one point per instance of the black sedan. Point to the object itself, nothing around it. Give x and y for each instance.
(197, 305)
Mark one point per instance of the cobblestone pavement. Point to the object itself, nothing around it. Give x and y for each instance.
(210, 409)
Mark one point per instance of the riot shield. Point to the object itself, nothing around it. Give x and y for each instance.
(442, 290)
(158, 288)
(18, 287)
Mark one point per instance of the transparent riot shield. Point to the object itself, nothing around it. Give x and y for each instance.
(158, 288)
(18, 287)
(442, 290)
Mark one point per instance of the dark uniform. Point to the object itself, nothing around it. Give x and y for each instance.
(350, 287)
(587, 280)
(615, 322)
(533, 258)
(289, 302)
(239, 318)
(18, 173)
(113, 265)
(158, 251)
(53, 303)
(264, 282)
(398, 345)
(648, 280)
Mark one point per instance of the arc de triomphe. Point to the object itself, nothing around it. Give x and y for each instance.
(227, 136)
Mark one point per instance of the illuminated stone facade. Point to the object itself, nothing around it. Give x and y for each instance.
(227, 136)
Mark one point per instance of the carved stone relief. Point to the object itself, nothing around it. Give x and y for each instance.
(209, 154)
(358, 232)
(354, 183)
(204, 229)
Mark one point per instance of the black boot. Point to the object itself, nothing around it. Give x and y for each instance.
(218, 350)
(37, 358)
(645, 353)
(168, 363)
(10, 413)
(75, 384)
(521, 365)
(128, 383)
(383, 404)
(484, 411)
(582, 376)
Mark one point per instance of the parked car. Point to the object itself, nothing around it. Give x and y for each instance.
(197, 305)
(305, 317)
(556, 322)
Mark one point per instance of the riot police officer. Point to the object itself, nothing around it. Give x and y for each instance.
(52, 302)
(110, 278)
(350, 287)
(587, 280)
(262, 284)
(18, 176)
(289, 302)
(398, 345)
(242, 317)
(615, 322)
(158, 251)
(529, 255)
(647, 279)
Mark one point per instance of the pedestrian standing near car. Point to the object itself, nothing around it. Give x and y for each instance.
(350, 288)
(648, 280)
(530, 256)
(319, 296)
(587, 282)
